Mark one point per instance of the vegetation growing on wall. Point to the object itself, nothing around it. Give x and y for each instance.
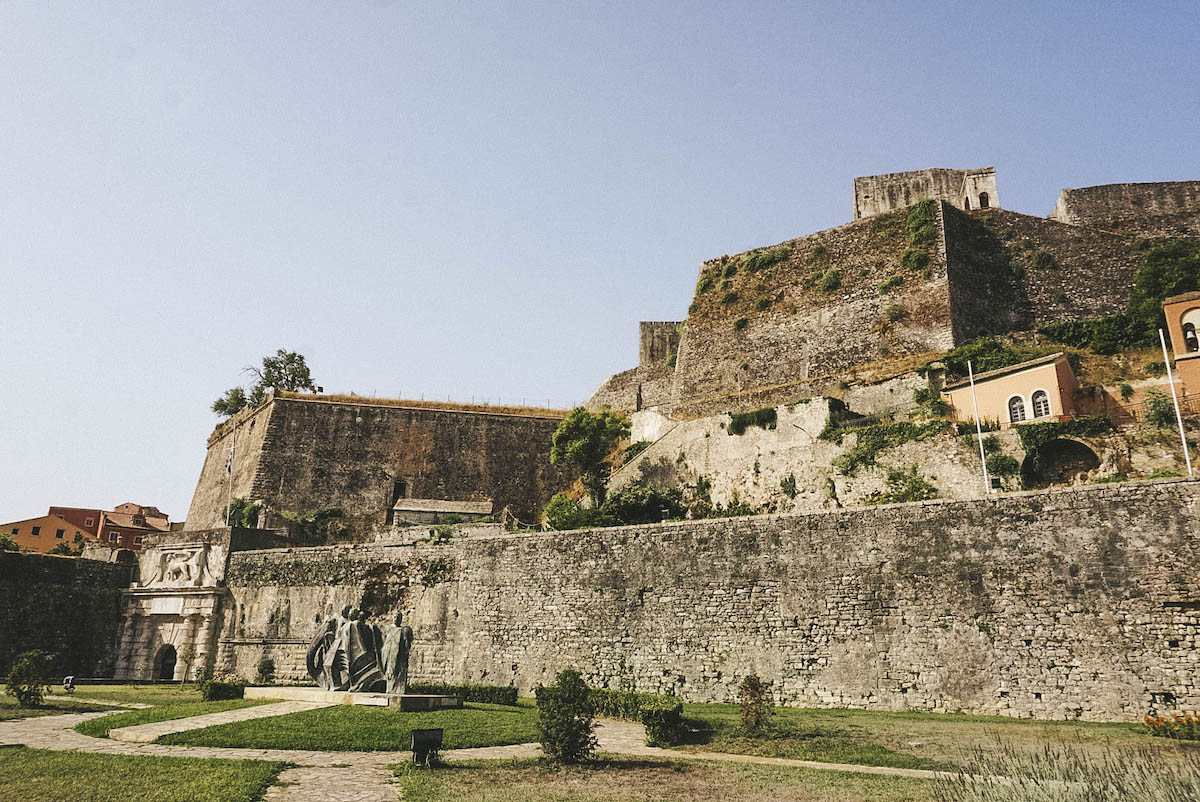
(287, 370)
(904, 486)
(1169, 269)
(761, 259)
(871, 440)
(319, 526)
(739, 422)
(585, 440)
(633, 504)
(1033, 435)
(989, 353)
(921, 224)
(242, 512)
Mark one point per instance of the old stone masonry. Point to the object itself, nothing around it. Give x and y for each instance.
(1055, 604)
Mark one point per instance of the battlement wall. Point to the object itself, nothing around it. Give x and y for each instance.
(1163, 209)
(299, 454)
(971, 189)
(1064, 604)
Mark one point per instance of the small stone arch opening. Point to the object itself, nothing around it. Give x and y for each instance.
(164, 662)
(984, 200)
(1061, 461)
(967, 203)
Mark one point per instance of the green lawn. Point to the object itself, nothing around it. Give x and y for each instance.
(143, 694)
(99, 727)
(902, 739)
(37, 775)
(355, 728)
(627, 779)
(51, 706)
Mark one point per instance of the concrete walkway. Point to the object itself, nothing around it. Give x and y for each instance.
(149, 733)
(359, 776)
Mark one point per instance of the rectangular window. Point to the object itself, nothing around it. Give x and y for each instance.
(138, 539)
(58, 533)
(112, 537)
(88, 522)
(16, 530)
(37, 531)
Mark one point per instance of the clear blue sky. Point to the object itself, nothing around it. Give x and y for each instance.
(479, 199)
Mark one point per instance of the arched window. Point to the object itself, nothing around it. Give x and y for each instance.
(1016, 409)
(967, 203)
(1189, 337)
(1041, 404)
(983, 200)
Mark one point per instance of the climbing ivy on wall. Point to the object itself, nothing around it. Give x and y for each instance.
(1033, 435)
(880, 437)
(764, 418)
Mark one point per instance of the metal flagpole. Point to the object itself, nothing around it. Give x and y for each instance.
(229, 471)
(1174, 400)
(987, 482)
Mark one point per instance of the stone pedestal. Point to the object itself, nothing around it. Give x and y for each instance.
(407, 702)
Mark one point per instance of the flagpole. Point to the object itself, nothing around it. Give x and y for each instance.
(229, 471)
(1174, 400)
(987, 482)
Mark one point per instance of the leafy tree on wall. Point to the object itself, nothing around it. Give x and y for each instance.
(287, 370)
(8, 544)
(585, 439)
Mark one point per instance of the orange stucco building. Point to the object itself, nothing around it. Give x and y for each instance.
(43, 534)
(1041, 389)
(1183, 319)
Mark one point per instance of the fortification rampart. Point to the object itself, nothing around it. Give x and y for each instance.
(69, 607)
(1164, 209)
(1054, 605)
(965, 189)
(303, 453)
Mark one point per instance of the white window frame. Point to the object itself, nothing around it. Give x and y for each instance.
(1024, 408)
(1033, 404)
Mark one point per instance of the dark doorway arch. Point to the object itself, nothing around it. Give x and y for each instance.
(967, 203)
(1058, 462)
(164, 664)
(128, 559)
(983, 200)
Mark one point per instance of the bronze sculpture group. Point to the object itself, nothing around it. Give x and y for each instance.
(348, 654)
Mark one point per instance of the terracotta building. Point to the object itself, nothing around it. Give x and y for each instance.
(123, 527)
(44, 533)
(1041, 389)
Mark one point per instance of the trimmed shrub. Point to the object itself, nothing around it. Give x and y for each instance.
(215, 690)
(661, 715)
(663, 719)
(265, 674)
(754, 705)
(566, 718)
(29, 678)
(487, 694)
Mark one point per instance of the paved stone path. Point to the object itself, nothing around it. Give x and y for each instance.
(362, 776)
(149, 733)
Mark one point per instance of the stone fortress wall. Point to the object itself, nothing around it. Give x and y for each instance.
(790, 334)
(299, 453)
(1062, 604)
(1164, 209)
(66, 606)
(966, 189)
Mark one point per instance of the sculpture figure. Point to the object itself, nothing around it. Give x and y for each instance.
(323, 653)
(347, 654)
(395, 644)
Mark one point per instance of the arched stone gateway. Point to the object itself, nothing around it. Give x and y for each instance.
(1058, 462)
(164, 662)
